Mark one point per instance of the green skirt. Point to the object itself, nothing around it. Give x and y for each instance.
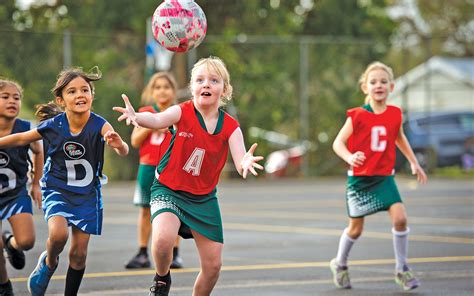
(200, 213)
(145, 178)
(367, 195)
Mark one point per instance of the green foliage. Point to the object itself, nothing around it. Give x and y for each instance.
(258, 39)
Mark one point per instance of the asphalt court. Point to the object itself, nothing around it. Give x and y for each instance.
(279, 238)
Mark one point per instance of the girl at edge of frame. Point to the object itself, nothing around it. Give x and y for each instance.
(184, 195)
(367, 142)
(157, 96)
(71, 197)
(16, 203)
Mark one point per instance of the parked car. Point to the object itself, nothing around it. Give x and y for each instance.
(438, 139)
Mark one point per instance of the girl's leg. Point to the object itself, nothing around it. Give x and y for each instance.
(400, 232)
(22, 238)
(3, 268)
(164, 233)
(48, 261)
(177, 262)
(403, 275)
(77, 261)
(348, 238)
(140, 260)
(210, 255)
(165, 230)
(338, 265)
(144, 227)
(23, 231)
(57, 238)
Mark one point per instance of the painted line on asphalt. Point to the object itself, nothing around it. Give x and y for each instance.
(266, 267)
(337, 217)
(337, 232)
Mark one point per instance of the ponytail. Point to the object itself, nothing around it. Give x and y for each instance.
(47, 111)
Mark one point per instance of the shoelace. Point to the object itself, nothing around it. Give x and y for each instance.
(158, 287)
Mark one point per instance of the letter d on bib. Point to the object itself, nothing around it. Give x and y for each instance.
(71, 173)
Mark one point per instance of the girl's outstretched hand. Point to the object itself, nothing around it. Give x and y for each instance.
(249, 162)
(128, 113)
(417, 170)
(113, 139)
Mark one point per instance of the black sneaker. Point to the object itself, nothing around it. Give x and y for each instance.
(16, 257)
(177, 262)
(160, 288)
(138, 261)
(7, 290)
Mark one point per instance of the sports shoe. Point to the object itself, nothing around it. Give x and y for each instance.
(138, 261)
(177, 262)
(340, 275)
(7, 290)
(160, 288)
(39, 278)
(406, 279)
(16, 257)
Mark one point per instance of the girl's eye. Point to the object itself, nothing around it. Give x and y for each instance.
(199, 80)
(215, 81)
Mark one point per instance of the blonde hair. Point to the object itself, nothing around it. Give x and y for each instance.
(217, 65)
(5, 81)
(147, 91)
(371, 67)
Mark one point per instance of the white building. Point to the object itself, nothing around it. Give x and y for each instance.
(440, 84)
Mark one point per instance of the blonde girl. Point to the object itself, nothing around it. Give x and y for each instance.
(157, 96)
(184, 195)
(367, 143)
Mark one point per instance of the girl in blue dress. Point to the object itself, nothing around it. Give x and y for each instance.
(74, 141)
(15, 202)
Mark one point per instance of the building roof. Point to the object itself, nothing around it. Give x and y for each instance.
(461, 69)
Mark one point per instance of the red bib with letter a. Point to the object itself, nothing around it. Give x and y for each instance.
(197, 157)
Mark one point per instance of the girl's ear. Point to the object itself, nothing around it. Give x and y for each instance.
(363, 87)
(60, 101)
(392, 86)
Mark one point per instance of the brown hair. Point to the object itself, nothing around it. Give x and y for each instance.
(70, 74)
(375, 66)
(220, 68)
(48, 110)
(5, 81)
(146, 94)
(51, 109)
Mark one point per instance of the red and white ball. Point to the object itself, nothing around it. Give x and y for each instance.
(179, 25)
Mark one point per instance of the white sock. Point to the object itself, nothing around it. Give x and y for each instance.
(400, 247)
(345, 245)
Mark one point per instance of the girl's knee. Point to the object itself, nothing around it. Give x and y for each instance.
(58, 239)
(400, 223)
(354, 231)
(163, 247)
(78, 257)
(212, 268)
(25, 243)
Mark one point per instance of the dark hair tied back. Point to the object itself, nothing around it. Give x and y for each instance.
(47, 111)
(70, 74)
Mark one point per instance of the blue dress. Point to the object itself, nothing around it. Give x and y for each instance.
(14, 166)
(72, 172)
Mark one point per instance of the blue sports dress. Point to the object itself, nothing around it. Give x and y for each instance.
(72, 172)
